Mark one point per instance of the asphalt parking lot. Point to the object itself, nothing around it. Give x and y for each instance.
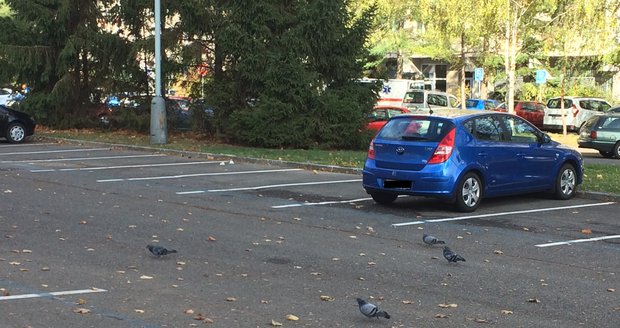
(258, 242)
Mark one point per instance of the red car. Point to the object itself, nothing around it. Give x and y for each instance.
(381, 114)
(530, 110)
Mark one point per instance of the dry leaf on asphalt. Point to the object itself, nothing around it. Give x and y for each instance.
(441, 315)
(140, 311)
(586, 231)
(291, 317)
(611, 290)
(230, 299)
(507, 312)
(81, 311)
(449, 305)
(498, 252)
(327, 298)
(275, 323)
(145, 277)
(407, 302)
(533, 300)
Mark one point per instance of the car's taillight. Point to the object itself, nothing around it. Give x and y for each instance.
(371, 150)
(592, 135)
(575, 111)
(444, 149)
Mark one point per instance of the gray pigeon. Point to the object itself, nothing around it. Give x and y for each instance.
(370, 310)
(451, 256)
(160, 250)
(431, 240)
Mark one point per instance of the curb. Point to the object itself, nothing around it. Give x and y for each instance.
(600, 196)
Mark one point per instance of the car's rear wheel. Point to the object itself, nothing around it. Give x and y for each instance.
(383, 198)
(616, 151)
(606, 154)
(566, 182)
(15, 133)
(468, 193)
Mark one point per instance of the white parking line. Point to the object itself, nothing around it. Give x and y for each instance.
(267, 186)
(96, 168)
(500, 214)
(574, 241)
(323, 203)
(68, 292)
(52, 151)
(80, 158)
(197, 175)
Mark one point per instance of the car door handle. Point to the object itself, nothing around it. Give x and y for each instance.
(483, 154)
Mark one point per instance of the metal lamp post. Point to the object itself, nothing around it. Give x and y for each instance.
(158, 104)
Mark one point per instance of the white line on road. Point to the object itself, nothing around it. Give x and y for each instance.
(80, 158)
(500, 214)
(68, 292)
(95, 168)
(574, 241)
(197, 175)
(267, 186)
(52, 151)
(323, 203)
(27, 145)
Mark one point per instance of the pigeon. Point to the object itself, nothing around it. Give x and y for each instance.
(431, 240)
(160, 250)
(451, 256)
(370, 310)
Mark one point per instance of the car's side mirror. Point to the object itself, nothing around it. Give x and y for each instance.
(546, 138)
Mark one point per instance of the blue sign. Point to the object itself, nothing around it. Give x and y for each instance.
(541, 76)
(478, 74)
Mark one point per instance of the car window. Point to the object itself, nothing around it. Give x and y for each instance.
(488, 128)
(414, 97)
(540, 107)
(611, 123)
(379, 115)
(599, 106)
(555, 103)
(437, 100)
(4, 92)
(415, 128)
(453, 101)
(519, 130)
(393, 112)
(471, 103)
(528, 107)
(489, 105)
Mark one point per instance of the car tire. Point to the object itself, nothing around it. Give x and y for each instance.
(616, 152)
(566, 182)
(468, 193)
(383, 198)
(606, 154)
(16, 133)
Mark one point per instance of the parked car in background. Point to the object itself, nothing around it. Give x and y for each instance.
(602, 132)
(381, 114)
(15, 126)
(177, 112)
(614, 110)
(481, 104)
(465, 157)
(532, 111)
(577, 110)
(422, 101)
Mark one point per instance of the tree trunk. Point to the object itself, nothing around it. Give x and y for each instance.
(462, 79)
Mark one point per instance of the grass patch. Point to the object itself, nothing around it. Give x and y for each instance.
(597, 177)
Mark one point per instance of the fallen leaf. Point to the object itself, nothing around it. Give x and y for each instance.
(140, 311)
(26, 251)
(480, 320)
(498, 252)
(80, 301)
(450, 305)
(611, 290)
(275, 323)
(189, 311)
(327, 298)
(441, 315)
(211, 238)
(586, 231)
(407, 302)
(83, 222)
(291, 317)
(145, 277)
(507, 312)
(81, 311)
(230, 299)
(533, 300)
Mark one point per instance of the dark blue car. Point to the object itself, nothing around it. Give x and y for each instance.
(463, 157)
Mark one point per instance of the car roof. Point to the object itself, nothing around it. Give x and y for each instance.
(458, 114)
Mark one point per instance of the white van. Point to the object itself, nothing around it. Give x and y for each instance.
(577, 110)
(394, 91)
(417, 101)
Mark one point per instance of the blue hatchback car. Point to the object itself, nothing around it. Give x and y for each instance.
(464, 157)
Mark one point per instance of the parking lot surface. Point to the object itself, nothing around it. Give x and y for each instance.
(258, 242)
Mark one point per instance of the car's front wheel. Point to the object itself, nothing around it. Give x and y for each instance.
(16, 133)
(616, 151)
(383, 198)
(566, 182)
(468, 193)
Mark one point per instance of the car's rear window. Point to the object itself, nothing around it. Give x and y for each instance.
(414, 97)
(416, 128)
(555, 103)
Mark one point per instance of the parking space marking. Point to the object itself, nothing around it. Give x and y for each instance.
(197, 175)
(500, 214)
(27, 145)
(96, 168)
(323, 203)
(80, 158)
(266, 186)
(52, 151)
(574, 241)
(68, 292)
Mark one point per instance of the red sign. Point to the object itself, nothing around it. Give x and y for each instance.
(202, 69)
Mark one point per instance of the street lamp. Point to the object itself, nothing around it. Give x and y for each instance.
(158, 104)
